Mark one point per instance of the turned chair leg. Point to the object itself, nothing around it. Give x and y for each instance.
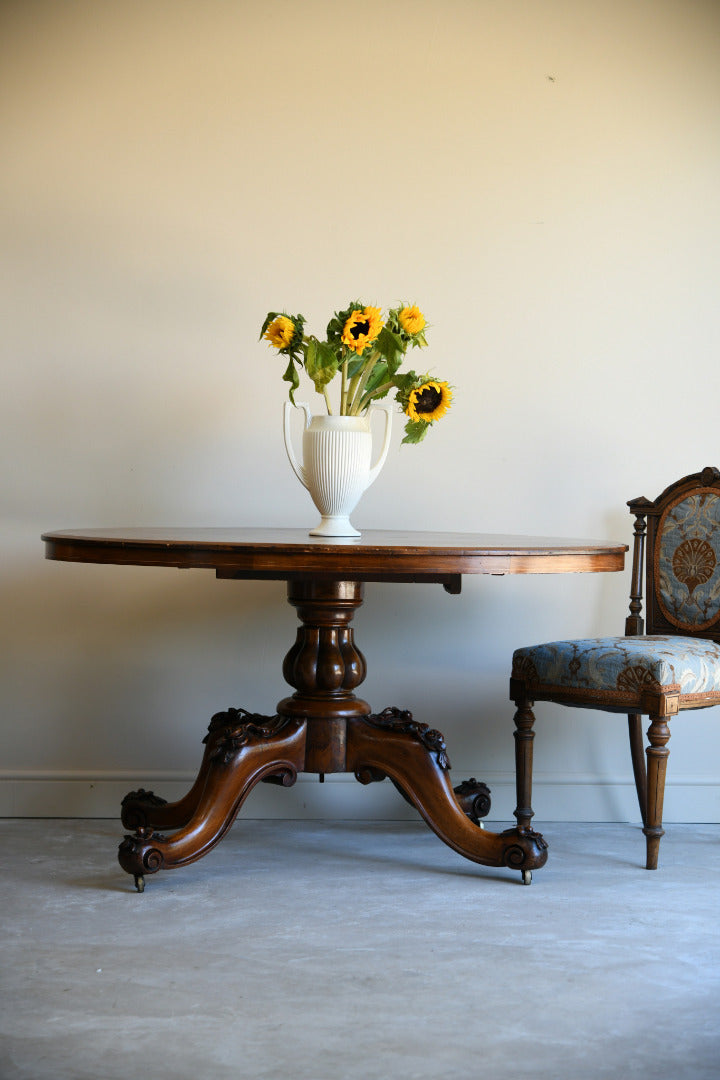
(524, 736)
(657, 755)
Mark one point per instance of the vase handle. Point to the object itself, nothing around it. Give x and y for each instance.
(388, 410)
(297, 468)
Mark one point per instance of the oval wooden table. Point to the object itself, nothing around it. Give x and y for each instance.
(324, 727)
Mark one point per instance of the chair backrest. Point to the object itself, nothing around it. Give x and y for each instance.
(678, 535)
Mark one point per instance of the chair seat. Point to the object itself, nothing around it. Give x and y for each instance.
(621, 668)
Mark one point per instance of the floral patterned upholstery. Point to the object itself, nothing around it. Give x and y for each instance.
(618, 669)
(687, 561)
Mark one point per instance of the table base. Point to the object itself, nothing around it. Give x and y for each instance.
(323, 728)
(242, 749)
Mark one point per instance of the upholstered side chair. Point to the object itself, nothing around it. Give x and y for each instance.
(664, 664)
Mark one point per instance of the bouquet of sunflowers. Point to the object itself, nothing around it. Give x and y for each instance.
(367, 352)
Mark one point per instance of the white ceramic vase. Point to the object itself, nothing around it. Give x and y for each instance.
(336, 467)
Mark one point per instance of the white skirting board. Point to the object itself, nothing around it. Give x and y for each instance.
(555, 797)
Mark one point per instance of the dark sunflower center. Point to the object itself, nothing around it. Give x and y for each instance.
(360, 328)
(427, 400)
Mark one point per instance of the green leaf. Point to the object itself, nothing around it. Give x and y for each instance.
(356, 366)
(321, 363)
(415, 431)
(378, 376)
(292, 377)
(405, 383)
(392, 348)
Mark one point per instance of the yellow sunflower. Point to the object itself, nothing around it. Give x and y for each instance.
(411, 319)
(280, 332)
(362, 328)
(429, 402)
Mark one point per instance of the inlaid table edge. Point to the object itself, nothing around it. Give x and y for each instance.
(377, 555)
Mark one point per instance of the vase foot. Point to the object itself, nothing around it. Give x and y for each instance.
(334, 526)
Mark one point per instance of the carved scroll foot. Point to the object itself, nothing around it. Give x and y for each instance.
(415, 758)
(140, 855)
(474, 797)
(524, 850)
(241, 750)
(140, 809)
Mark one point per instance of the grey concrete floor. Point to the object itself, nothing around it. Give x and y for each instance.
(341, 950)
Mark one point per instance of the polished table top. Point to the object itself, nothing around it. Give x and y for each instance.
(375, 556)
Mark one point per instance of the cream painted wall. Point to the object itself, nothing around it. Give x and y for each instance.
(541, 176)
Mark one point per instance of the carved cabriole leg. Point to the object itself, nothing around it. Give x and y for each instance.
(414, 757)
(524, 737)
(657, 755)
(241, 750)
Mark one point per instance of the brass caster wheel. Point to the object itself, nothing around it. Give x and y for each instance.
(140, 883)
(526, 877)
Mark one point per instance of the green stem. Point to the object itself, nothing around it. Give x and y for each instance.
(377, 392)
(351, 393)
(356, 405)
(357, 387)
(327, 401)
(343, 390)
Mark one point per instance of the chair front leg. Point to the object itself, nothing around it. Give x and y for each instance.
(657, 755)
(524, 736)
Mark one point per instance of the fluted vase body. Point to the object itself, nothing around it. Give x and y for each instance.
(336, 468)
